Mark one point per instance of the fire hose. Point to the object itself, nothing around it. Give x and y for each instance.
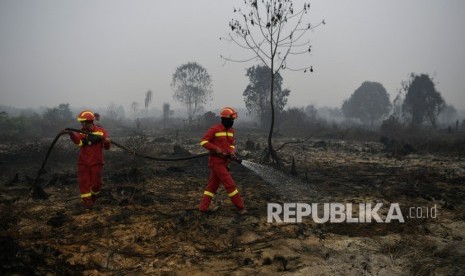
(39, 193)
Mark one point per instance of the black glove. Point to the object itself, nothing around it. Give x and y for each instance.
(85, 142)
(235, 158)
(94, 139)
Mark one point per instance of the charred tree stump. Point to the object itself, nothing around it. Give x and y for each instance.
(293, 168)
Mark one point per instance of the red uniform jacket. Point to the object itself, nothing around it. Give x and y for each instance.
(218, 137)
(91, 153)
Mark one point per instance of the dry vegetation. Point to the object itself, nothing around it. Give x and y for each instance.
(147, 221)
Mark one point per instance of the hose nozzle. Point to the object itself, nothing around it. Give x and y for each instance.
(237, 159)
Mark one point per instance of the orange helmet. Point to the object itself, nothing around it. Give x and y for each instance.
(86, 115)
(228, 112)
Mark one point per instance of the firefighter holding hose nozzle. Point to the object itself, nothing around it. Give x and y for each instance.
(219, 140)
(90, 162)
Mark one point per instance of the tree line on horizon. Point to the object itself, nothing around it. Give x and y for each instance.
(417, 104)
(281, 28)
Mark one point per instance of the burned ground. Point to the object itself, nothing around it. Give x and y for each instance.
(148, 222)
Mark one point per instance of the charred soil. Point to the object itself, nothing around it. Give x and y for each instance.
(147, 220)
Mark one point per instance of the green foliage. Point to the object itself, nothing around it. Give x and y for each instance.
(192, 86)
(369, 103)
(422, 101)
(294, 115)
(292, 119)
(21, 128)
(58, 117)
(448, 115)
(391, 126)
(257, 93)
(33, 126)
(311, 112)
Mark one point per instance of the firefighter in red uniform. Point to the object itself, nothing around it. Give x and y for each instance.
(90, 162)
(219, 140)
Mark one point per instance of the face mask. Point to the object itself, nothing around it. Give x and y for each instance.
(227, 122)
(87, 125)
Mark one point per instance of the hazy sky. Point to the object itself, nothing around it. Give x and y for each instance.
(93, 52)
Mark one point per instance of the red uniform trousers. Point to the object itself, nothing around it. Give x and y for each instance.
(90, 182)
(219, 174)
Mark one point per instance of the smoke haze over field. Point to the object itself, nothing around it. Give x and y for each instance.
(92, 52)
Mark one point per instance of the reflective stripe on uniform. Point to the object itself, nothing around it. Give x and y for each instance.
(86, 195)
(95, 193)
(233, 193)
(222, 134)
(210, 194)
(203, 142)
(98, 133)
(82, 144)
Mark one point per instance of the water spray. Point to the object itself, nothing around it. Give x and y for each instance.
(285, 184)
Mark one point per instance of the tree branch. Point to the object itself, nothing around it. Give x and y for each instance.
(295, 142)
(237, 60)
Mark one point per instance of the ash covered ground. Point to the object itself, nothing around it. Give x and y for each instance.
(148, 222)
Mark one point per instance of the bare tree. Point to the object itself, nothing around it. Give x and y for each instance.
(114, 112)
(166, 113)
(275, 33)
(148, 100)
